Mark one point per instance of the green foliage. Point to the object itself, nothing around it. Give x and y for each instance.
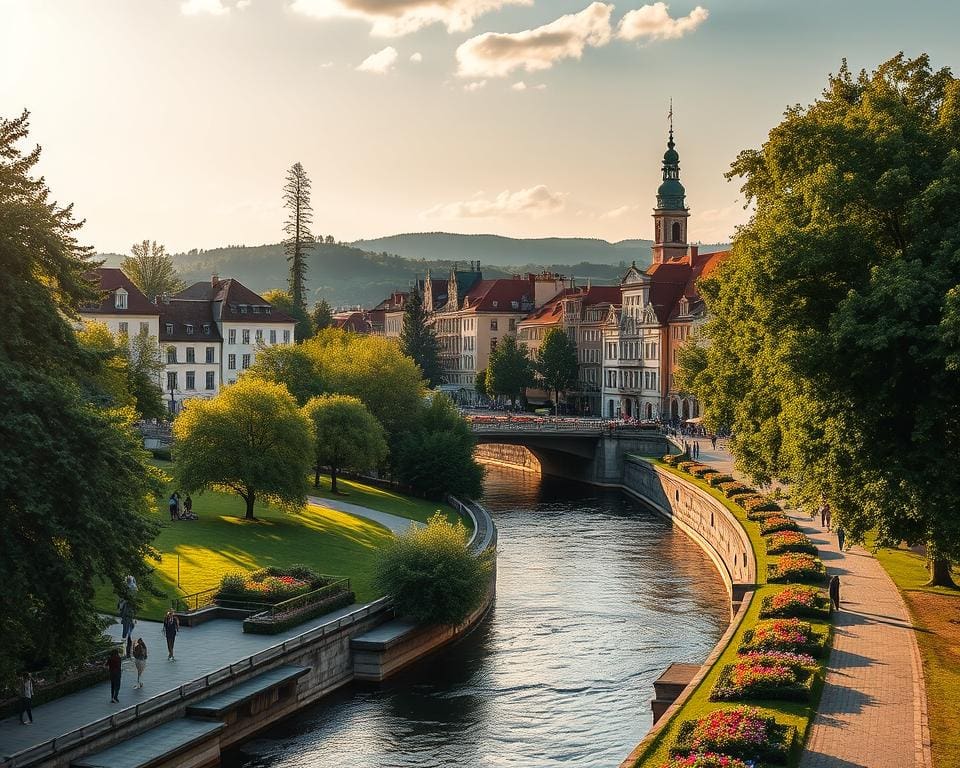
(74, 488)
(299, 240)
(832, 337)
(282, 300)
(250, 439)
(144, 364)
(431, 574)
(556, 363)
(510, 370)
(293, 367)
(418, 340)
(480, 383)
(151, 269)
(322, 316)
(436, 457)
(345, 436)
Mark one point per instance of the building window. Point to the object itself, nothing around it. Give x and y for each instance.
(246, 361)
(232, 336)
(243, 309)
(286, 337)
(206, 329)
(211, 383)
(191, 355)
(169, 327)
(493, 344)
(189, 329)
(124, 327)
(171, 355)
(259, 334)
(273, 336)
(513, 324)
(191, 379)
(246, 335)
(493, 324)
(677, 232)
(231, 362)
(171, 380)
(144, 327)
(120, 299)
(210, 355)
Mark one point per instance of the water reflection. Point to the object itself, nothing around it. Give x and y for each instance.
(595, 597)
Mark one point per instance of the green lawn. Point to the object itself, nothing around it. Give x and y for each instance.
(936, 615)
(221, 541)
(796, 714)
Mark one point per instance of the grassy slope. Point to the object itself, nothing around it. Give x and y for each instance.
(936, 614)
(796, 714)
(222, 542)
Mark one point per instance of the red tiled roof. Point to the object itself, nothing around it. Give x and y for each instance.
(181, 313)
(668, 281)
(235, 296)
(354, 321)
(601, 294)
(502, 295)
(110, 279)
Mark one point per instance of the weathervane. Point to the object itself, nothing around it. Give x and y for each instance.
(670, 118)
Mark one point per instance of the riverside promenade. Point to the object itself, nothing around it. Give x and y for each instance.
(873, 712)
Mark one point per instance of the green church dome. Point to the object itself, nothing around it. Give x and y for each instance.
(671, 194)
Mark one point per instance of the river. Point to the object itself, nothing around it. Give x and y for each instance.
(596, 595)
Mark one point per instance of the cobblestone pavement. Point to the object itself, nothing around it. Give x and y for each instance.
(873, 712)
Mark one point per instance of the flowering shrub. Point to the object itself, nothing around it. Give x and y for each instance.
(791, 635)
(776, 523)
(797, 567)
(780, 658)
(789, 541)
(758, 503)
(706, 760)
(793, 602)
(686, 465)
(270, 585)
(732, 489)
(702, 470)
(750, 679)
(743, 733)
(717, 480)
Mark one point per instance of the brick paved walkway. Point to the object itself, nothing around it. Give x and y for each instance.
(873, 711)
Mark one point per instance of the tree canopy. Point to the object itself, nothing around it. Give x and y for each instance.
(75, 486)
(294, 367)
(418, 340)
(151, 269)
(251, 439)
(557, 364)
(345, 436)
(322, 316)
(283, 301)
(299, 239)
(832, 337)
(510, 370)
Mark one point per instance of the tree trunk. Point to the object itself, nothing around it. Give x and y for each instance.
(316, 475)
(250, 498)
(333, 479)
(940, 575)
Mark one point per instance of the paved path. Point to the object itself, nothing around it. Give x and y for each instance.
(873, 710)
(199, 651)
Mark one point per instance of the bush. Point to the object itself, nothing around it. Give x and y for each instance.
(686, 466)
(790, 635)
(717, 480)
(161, 453)
(743, 732)
(673, 458)
(702, 470)
(758, 503)
(776, 523)
(789, 541)
(782, 658)
(706, 760)
(431, 574)
(270, 585)
(732, 489)
(795, 602)
(747, 679)
(794, 568)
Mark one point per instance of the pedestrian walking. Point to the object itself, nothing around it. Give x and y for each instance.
(713, 442)
(835, 592)
(114, 664)
(823, 514)
(173, 505)
(841, 537)
(826, 513)
(26, 698)
(127, 623)
(140, 660)
(170, 628)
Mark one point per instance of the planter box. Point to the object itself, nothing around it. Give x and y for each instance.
(774, 751)
(799, 690)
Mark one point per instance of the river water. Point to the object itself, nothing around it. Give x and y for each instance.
(595, 597)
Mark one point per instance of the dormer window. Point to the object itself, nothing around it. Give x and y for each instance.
(256, 309)
(120, 299)
(496, 304)
(243, 309)
(189, 329)
(206, 329)
(169, 328)
(684, 306)
(267, 310)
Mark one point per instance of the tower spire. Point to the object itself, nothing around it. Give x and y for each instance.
(670, 215)
(670, 118)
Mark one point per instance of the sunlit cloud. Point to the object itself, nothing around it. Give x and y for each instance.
(417, 57)
(521, 86)
(620, 212)
(497, 54)
(653, 22)
(196, 7)
(535, 201)
(475, 86)
(393, 18)
(379, 63)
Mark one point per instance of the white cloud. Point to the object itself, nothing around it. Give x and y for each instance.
(241, 4)
(417, 57)
(535, 201)
(495, 54)
(327, 65)
(620, 212)
(653, 22)
(520, 86)
(475, 86)
(379, 63)
(196, 7)
(393, 18)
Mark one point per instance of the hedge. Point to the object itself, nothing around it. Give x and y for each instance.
(777, 523)
(797, 568)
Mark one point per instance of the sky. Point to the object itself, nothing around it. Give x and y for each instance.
(176, 120)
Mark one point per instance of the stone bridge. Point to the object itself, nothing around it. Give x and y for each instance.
(578, 451)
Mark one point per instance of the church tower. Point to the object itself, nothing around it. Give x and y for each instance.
(671, 214)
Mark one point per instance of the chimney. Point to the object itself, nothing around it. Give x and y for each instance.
(214, 279)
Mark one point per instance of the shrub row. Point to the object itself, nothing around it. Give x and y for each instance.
(789, 541)
(797, 568)
(264, 624)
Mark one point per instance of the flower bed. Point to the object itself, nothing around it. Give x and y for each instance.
(796, 602)
(781, 658)
(717, 480)
(791, 635)
(685, 466)
(732, 489)
(743, 733)
(702, 470)
(748, 679)
(706, 760)
(797, 568)
(267, 624)
(758, 503)
(672, 459)
(776, 523)
(270, 585)
(782, 542)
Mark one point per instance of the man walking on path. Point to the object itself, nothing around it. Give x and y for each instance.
(841, 537)
(114, 665)
(835, 592)
(26, 698)
(171, 625)
(140, 660)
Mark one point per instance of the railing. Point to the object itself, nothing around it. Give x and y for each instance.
(292, 604)
(484, 531)
(194, 602)
(124, 716)
(569, 426)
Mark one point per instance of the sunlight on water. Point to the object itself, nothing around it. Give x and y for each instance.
(596, 596)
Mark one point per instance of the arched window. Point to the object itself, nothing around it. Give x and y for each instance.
(677, 232)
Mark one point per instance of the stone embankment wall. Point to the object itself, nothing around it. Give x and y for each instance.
(509, 456)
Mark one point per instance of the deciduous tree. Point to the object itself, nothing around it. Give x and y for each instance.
(151, 269)
(283, 301)
(345, 436)
(418, 340)
(557, 363)
(322, 316)
(292, 366)
(510, 370)
(251, 439)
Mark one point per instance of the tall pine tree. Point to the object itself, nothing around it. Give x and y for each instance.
(418, 340)
(299, 240)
